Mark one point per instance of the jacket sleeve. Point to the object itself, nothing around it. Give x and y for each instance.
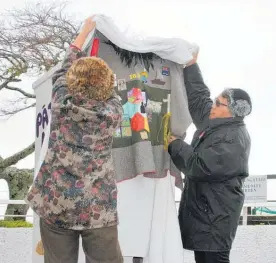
(215, 163)
(118, 109)
(198, 94)
(59, 77)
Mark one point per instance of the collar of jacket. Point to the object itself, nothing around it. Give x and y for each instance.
(213, 123)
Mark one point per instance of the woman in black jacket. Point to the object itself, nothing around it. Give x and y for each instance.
(215, 166)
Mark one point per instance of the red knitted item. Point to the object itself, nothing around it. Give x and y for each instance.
(95, 48)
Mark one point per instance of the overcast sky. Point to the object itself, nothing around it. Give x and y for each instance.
(237, 42)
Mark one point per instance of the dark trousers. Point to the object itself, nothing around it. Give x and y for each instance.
(137, 260)
(212, 257)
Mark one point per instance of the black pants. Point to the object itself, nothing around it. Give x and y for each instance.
(212, 257)
(137, 260)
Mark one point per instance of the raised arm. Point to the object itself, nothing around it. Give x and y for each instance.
(198, 94)
(73, 53)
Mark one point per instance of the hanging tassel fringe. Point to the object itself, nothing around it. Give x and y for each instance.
(39, 248)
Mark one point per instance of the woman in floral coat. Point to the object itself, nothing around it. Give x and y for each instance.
(75, 192)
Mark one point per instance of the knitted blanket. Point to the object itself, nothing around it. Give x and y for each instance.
(147, 95)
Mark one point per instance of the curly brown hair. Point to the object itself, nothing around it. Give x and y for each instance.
(90, 77)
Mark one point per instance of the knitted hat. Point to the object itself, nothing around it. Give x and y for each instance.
(91, 78)
(239, 102)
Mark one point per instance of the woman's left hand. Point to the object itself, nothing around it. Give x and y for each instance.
(172, 138)
(89, 25)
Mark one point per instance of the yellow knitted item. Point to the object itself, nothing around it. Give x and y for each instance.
(167, 133)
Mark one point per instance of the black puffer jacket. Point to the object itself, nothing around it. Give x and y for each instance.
(215, 165)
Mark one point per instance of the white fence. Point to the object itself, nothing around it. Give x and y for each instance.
(28, 216)
(244, 214)
(255, 189)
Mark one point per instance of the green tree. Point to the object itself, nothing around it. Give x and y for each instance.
(19, 181)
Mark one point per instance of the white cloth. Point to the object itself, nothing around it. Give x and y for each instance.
(165, 240)
(135, 208)
(148, 223)
(174, 49)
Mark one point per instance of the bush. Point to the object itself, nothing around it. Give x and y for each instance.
(14, 224)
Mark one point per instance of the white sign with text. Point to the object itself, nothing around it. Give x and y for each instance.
(255, 189)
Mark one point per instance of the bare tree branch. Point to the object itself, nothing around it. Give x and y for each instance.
(26, 94)
(32, 40)
(4, 163)
(7, 81)
(12, 112)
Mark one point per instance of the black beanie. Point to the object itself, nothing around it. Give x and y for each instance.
(239, 94)
(239, 102)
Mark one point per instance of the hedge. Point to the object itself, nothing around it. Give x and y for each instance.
(14, 224)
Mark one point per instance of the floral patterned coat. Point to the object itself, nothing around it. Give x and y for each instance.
(75, 187)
